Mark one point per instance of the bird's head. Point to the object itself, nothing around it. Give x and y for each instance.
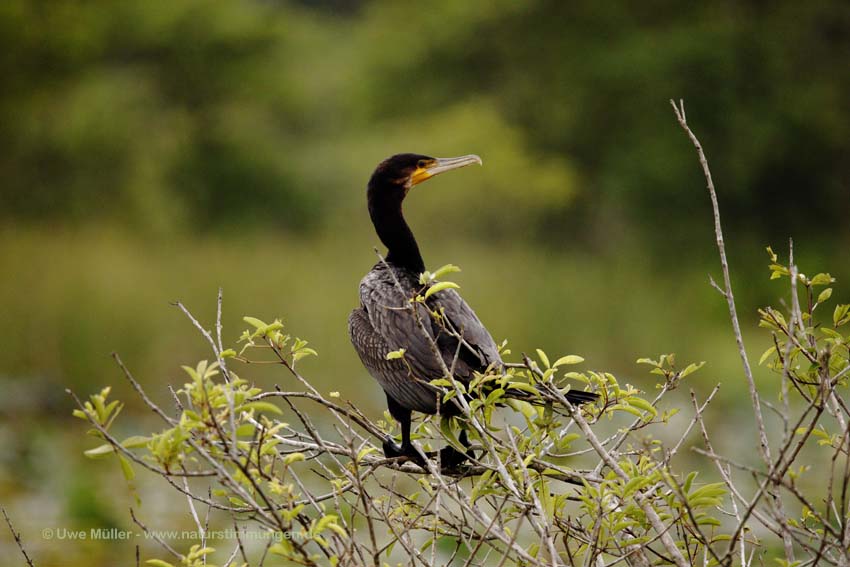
(390, 183)
(405, 171)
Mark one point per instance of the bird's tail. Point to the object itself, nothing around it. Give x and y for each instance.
(578, 397)
(575, 397)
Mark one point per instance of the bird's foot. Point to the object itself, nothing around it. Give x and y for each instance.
(451, 459)
(393, 450)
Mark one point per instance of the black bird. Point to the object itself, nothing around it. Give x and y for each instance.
(385, 321)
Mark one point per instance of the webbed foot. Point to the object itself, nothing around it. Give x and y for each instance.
(451, 458)
(393, 450)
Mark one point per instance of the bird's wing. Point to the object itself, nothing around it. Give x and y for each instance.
(390, 321)
(386, 323)
(477, 349)
(394, 376)
(392, 317)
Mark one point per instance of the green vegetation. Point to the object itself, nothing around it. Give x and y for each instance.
(156, 150)
(533, 494)
(182, 116)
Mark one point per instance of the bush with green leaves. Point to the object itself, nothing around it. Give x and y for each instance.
(339, 501)
(549, 483)
(546, 486)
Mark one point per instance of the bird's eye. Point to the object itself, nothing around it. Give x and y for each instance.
(421, 164)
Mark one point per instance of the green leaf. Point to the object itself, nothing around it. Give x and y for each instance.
(523, 407)
(840, 315)
(822, 279)
(620, 526)
(543, 358)
(254, 322)
(635, 484)
(831, 333)
(283, 548)
(767, 354)
(704, 502)
(495, 395)
(689, 481)
(777, 271)
(449, 434)
(483, 486)
(547, 502)
(298, 355)
(642, 404)
(691, 368)
(569, 359)
(365, 451)
(158, 563)
(447, 269)
(99, 452)
(260, 406)
(293, 458)
(628, 409)
(135, 442)
(126, 468)
(396, 354)
(563, 443)
(191, 372)
(440, 287)
(323, 522)
(523, 386)
(338, 530)
(271, 327)
(708, 491)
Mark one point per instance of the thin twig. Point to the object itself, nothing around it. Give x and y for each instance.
(17, 537)
(764, 447)
(155, 536)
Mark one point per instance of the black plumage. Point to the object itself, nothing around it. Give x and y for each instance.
(386, 322)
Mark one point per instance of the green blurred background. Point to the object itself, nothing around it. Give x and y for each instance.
(156, 150)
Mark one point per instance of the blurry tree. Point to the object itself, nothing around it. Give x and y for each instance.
(584, 82)
(154, 112)
(262, 113)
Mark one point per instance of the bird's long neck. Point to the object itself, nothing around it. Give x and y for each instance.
(392, 229)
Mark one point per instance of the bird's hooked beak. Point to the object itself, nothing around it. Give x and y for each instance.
(441, 165)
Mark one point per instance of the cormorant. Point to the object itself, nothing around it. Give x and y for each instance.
(385, 321)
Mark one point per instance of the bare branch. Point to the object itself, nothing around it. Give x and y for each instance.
(764, 447)
(17, 537)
